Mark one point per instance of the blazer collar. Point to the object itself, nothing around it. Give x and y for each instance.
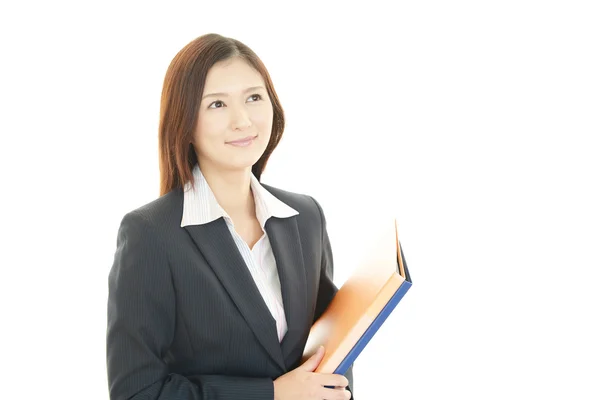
(200, 205)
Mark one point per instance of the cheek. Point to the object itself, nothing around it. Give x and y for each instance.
(211, 125)
(264, 121)
(208, 129)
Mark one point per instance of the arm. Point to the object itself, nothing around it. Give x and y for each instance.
(141, 325)
(327, 288)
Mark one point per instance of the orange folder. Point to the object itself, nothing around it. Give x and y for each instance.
(361, 305)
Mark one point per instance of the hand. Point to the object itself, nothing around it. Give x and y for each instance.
(303, 383)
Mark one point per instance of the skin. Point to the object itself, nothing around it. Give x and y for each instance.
(241, 108)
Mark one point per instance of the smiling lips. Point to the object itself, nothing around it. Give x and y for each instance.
(243, 142)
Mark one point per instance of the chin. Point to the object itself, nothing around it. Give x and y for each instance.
(244, 159)
(239, 163)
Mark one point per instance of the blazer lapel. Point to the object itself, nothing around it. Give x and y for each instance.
(218, 247)
(287, 249)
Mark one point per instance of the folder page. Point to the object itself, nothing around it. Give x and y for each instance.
(359, 307)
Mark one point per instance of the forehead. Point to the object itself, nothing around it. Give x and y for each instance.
(231, 76)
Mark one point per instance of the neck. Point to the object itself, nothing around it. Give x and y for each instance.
(232, 190)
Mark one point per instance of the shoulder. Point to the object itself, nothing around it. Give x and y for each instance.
(307, 206)
(162, 213)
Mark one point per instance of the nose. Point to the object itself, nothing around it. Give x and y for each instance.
(240, 118)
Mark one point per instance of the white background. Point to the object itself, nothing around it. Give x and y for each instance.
(476, 123)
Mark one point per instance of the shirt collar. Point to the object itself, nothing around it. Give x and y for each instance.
(200, 205)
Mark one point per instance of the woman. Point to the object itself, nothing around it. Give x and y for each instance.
(216, 283)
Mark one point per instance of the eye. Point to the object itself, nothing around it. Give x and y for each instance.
(215, 103)
(220, 104)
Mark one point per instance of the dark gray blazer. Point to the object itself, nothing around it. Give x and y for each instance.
(185, 318)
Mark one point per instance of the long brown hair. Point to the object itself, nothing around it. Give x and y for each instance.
(180, 101)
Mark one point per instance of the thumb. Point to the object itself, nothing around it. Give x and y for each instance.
(313, 362)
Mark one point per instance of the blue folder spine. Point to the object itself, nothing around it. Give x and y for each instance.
(373, 328)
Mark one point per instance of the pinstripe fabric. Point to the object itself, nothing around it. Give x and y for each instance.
(185, 317)
(201, 207)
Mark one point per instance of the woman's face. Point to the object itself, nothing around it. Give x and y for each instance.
(235, 119)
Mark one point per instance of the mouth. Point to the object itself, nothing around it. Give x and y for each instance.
(243, 142)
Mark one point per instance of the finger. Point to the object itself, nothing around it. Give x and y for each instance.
(335, 394)
(333, 380)
(313, 362)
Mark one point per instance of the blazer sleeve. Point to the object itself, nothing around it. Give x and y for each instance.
(327, 288)
(141, 324)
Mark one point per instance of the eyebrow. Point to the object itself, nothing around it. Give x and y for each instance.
(220, 94)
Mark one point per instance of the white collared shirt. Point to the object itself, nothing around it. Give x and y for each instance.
(201, 207)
